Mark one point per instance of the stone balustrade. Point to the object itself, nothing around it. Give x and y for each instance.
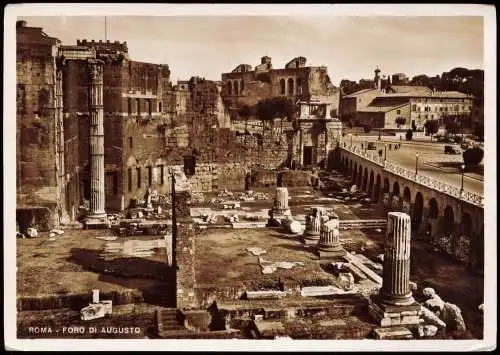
(427, 181)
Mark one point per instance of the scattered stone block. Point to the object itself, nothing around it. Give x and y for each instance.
(396, 333)
(256, 251)
(427, 331)
(315, 291)
(267, 294)
(32, 232)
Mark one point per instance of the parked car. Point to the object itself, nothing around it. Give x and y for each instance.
(449, 149)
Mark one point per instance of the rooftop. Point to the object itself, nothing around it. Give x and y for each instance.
(381, 108)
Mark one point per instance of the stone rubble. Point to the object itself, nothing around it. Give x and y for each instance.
(32, 232)
(256, 251)
(269, 267)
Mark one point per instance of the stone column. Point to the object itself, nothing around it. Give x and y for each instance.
(281, 199)
(313, 227)
(63, 213)
(96, 140)
(280, 209)
(396, 274)
(327, 112)
(394, 305)
(329, 245)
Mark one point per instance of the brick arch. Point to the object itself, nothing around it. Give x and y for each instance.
(395, 188)
(407, 193)
(448, 220)
(433, 209)
(282, 87)
(371, 182)
(360, 176)
(418, 210)
(377, 189)
(235, 87)
(290, 84)
(365, 180)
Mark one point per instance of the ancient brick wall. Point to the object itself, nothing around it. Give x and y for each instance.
(185, 253)
(35, 122)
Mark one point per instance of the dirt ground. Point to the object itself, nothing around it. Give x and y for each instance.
(67, 265)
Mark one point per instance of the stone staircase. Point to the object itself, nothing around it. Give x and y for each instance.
(362, 223)
(168, 325)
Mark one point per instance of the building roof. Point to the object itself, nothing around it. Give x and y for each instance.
(360, 92)
(381, 108)
(410, 89)
(443, 94)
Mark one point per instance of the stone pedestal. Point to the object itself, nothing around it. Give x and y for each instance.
(395, 306)
(329, 246)
(97, 214)
(313, 227)
(280, 209)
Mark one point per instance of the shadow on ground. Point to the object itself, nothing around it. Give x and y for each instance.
(126, 271)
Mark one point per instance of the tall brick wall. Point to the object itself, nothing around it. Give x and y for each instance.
(35, 121)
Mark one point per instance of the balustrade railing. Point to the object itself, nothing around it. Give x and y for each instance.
(427, 181)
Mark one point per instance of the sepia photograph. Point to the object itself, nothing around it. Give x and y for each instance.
(247, 177)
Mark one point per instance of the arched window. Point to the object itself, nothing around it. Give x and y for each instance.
(299, 86)
(242, 86)
(290, 86)
(282, 86)
(236, 91)
(229, 88)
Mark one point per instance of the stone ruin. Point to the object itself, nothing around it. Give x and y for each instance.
(329, 245)
(394, 305)
(280, 210)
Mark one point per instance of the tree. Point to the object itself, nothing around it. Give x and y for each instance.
(452, 127)
(400, 121)
(431, 126)
(276, 107)
(473, 156)
(409, 135)
(367, 128)
(479, 130)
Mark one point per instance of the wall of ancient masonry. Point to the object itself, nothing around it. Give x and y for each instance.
(185, 281)
(36, 128)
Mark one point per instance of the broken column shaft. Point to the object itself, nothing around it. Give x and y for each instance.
(396, 274)
(329, 245)
(313, 227)
(96, 139)
(281, 200)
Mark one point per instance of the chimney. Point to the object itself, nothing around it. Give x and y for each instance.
(95, 296)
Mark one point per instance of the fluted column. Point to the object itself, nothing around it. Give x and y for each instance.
(96, 140)
(396, 273)
(313, 226)
(61, 171)
(329, 244)
(281, 199)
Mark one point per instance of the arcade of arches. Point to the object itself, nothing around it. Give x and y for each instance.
(453, 226)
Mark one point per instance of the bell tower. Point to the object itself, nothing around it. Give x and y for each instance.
(377, 81)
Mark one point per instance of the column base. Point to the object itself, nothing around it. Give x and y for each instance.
(389, 315)
(308, 239)
(276, 217)
(330, 253)
(96, 221)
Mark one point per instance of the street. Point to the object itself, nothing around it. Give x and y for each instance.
(429, 154)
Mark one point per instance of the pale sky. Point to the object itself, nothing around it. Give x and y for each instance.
(350, 47)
